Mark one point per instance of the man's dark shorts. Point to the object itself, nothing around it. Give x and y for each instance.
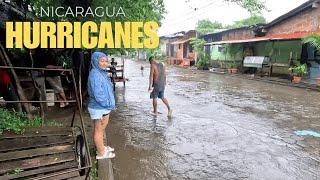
(156, 94)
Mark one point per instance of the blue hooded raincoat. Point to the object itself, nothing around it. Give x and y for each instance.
(99, 86)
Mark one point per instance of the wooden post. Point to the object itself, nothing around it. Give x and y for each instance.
(105, 171)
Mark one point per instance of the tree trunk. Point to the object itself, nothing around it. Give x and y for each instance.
(20, 92)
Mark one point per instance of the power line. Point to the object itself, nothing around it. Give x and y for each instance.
(193, 11)
(187, 18)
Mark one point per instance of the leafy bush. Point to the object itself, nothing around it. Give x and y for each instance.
(300, 70)
(203, 61)
(17, 122)
(314, 40)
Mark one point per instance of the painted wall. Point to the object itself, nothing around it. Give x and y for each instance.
(219, 53)
(278, 51)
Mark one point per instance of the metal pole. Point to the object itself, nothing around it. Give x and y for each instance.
(82, 123)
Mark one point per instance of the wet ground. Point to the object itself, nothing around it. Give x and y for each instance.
(222, 128)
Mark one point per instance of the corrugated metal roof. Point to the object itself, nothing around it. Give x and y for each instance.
(274, 37)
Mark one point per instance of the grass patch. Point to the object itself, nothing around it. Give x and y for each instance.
(17, 122)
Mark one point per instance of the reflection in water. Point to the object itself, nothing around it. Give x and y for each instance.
(222, 128)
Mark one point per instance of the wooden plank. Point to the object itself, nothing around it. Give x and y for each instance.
(66, 175)
(36, 162)
(42, 170)
(37, 132)
(78, 178)
(13, 155)
(24, 143)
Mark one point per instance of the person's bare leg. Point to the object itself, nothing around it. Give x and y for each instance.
(166, 102)
(63, 98)
(105, 121)
(99, 131)
(155, 111)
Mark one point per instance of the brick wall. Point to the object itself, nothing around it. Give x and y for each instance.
(306, 21)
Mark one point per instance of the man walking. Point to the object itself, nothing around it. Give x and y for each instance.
(157, 80)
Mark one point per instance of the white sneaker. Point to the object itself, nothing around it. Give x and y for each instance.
(106, 155)
(109, 149)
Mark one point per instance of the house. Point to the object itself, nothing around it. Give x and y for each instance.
(219, 53)
(181, 51)
(166, 48)
(280, 40)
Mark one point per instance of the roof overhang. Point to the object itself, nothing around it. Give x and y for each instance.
(275, 37)
(180, 41)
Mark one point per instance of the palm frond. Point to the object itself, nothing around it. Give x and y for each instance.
(313, 40)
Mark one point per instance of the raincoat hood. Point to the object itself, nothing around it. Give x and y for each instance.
(95, 59)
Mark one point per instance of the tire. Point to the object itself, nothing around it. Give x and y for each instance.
(81, 154)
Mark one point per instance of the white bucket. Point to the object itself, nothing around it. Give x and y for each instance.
(50, 97)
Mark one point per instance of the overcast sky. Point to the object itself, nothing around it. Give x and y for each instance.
(181, 15)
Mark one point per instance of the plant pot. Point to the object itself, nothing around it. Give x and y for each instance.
(234, 70)
(296, 79)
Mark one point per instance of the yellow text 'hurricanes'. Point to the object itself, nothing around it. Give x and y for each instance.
(87, 35)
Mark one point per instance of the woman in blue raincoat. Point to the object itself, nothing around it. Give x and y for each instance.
(101, 102)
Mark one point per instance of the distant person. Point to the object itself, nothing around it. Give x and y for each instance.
(113, 62)
(101, 102)
(157, 81)
(47, 60)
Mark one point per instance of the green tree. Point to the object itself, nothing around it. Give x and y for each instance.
(253, 6)
(206, 26)
(253, 20)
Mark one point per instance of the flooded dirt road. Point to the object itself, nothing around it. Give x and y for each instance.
(222, 128)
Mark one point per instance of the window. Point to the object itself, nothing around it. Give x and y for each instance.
(220, 48)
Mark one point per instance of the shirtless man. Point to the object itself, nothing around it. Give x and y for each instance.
(158, 81)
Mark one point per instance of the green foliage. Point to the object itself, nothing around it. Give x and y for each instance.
(232, 65)
(203, 61)
(15, 171)
(93, 171)
(65, 61)
(313, 40)
(253, 6)
(232, 49)
(253, 20)
(17, 122)
(206, 26)
(300, 70)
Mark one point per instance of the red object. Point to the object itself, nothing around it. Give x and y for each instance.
(272, 37)
(4, 78)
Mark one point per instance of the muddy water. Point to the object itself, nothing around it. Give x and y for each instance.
(222, 128)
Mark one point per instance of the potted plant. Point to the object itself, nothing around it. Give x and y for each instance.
(298, 72)
(233, 68)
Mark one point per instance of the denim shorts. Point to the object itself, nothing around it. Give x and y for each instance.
(97, 114)
(157, 94)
